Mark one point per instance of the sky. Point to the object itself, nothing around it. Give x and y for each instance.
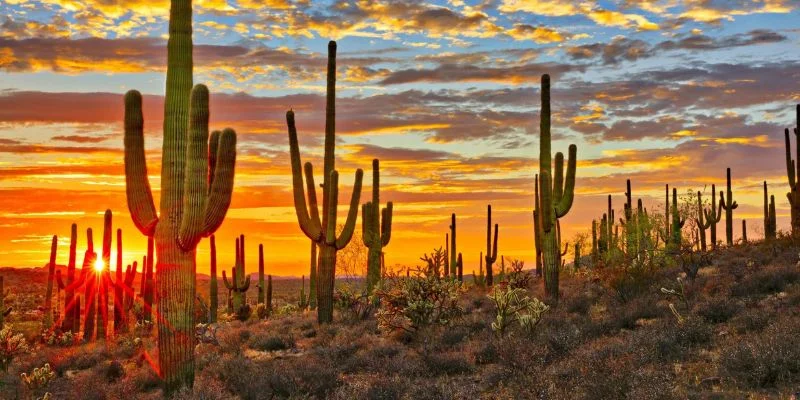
(444, 92)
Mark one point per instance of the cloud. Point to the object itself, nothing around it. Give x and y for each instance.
(515, 75)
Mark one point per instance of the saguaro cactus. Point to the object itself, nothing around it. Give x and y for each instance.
(261, 288)
(119, 289)
(196, 185)
(744, 231)
(213, 289)
(702, 224)
(323, 231)
(537, 240)
(453, 253)
(148, 284)
(4, 312)
(793, 173)
(90, 295)
(729, 206)
(713, 216)
(460, 268)
(676, 224)
(376, 232)
(491, 251)
(51, 274)
(556, 195)
(68, 316)
(240, 281)
(103, 278)
(770, 224)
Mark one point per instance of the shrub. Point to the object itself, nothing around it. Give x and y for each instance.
(513, 306)
(271, 343)
(718, 310)
(38, 378)
(446, 364)
(765, 360)
(352, 305)
(11, 345)
(411, 303)
(766, 281)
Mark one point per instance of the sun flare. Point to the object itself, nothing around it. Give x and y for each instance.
(98, 265)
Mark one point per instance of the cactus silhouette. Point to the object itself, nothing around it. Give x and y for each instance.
(676, 224)
(770, 224)
(240, 281)
(713, 215)
(700, 221)
(793, 174)
(51, 272)
(103, 278)
(729, 206)
(491, 250)
(453, 264)
(261, 288)
(744, 231)
(376, 231)
(90, 296)
(68, 316)
(323, 231)
(555, 194)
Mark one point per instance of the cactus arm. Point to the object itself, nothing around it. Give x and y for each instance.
(311, 227)
(245, 284)
(213, 145)
(137, 186)
(558, 177)
(196, 171)
(494, 247)
(221, 186)
(386, 224)
(789, 161)
(366, 225)
(352, 214)
(568, 194)
(228, 285)
(313, 206)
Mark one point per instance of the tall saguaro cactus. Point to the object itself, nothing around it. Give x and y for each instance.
(713, 215)
(240, 281)
(729, 206)
(375, 231)
(102, 279)
(491, 251)
(702, 224)
(261, 288)
(770, 224)
(793, 173)
(51, 274)
(323, 230)
(196, 185)
(537, 240)
(90, 294)
(676, 224)
(555, 195)
(453, 265)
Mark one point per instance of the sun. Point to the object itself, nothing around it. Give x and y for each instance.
(98, 265)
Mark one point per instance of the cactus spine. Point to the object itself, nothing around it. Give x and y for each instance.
(729, 206)
(213, 289)
(556, 195)
(196, 186)
(240, 281)
(261, 287)
(312, 279)
(793, 174)
(376, 232)
(323, 231)
(770, 224)
(4, 312)
(491, 251)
